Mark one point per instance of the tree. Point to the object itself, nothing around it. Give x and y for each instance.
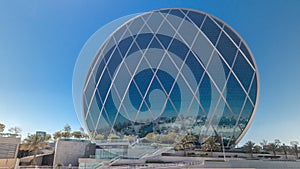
(130, 138)
(112, 136)
(274, 146)
(168, 138)
(83, 134)
(34, 143)
(77, 134)
(212, 144)
(66, 134)
(186, 143)
(15, 130)
(295, 148)
(57, 135)
(151, 137)
(2, 127)
(284, 148)
(248, 147)
(264, 144)
(257, 148)
(99, 137)
(67, 128)
(67, 131)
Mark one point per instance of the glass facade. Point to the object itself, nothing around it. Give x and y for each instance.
(171, 71)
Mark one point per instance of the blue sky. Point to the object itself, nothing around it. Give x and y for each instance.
(40, 42)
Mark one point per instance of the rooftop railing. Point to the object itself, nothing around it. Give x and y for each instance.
(9, 135)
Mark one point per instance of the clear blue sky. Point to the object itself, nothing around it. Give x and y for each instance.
(40, 42)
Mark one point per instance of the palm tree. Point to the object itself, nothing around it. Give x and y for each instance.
(264, 144)
(2, 127)
(34, 143)
(274, 146)
(257, 148)
(295, 147)
(212, 144)
(284, 148)
(248, 147)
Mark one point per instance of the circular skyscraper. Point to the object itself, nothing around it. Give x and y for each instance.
(171, 71)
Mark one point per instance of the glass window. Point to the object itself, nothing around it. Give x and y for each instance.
(94, 111)
(195, 66)
(166, 29)
(154, 21)
(205, 93)
(235, 95)
(179, 49)
(227, 49)
(165, 40)
(232, 35)
(189, 32)
(136, 25)
(133, 49)
(246, 114)
(90, 124)
(174, 21)
(246, 52)
(155, 44)
(124, 45)
(143, 40)
(253, 91)
(217, 70)
(110, 110)
(218, 22)
(202, 48)
(117, 35)
(197, 18)
(104, 85)
(176, 12)
(243, 71)
(211, 30)
(90, 89)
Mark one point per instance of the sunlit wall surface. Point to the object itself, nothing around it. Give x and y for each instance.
(172, 71)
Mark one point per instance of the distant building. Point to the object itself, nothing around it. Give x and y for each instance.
(41, 133)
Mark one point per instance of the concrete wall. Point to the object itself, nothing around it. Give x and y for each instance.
(9, 147)
(69, 151)
(9, 163)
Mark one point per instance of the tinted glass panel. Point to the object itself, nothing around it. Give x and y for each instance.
(227, 49)
(246, 114)
(235, 95)
(205, 93)
(253, 91)
(232, 35)
(211, 30)
(243, 71)
(246, 52)
(176, 12)
(219, 22)
(195, 66)
(196, 18)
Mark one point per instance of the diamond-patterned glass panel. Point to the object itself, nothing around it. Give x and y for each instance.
(227, 49)
(243, 71)
(211, 30)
